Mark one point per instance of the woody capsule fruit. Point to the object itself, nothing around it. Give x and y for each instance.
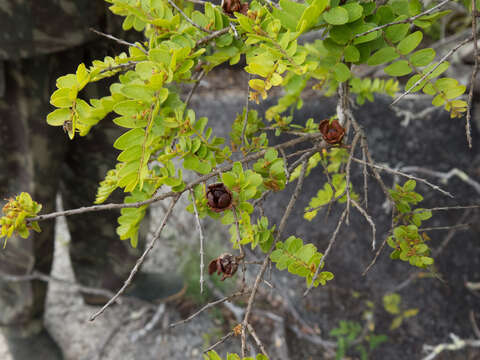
(219, 197)
(225, 264)
(231, 6)
(332, 132)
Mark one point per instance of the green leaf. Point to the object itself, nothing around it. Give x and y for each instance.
(306, 252)
(82, 75)
(367, 37)
(438, 71)
(138, 92)
(355, 11)
(398, 68)
(412, 81)
(397, 32)
(351, 54)
(391, 303)
(414, 7)
(400, 7)
(63, 98)
(409, 44)
(67, 81)
(191, 162)
(341, 72)
(293, 244)
(382, 56)
(130, 138)
(290, 14)
(422, 57)
(341, 34)
(336, 16)
(397, 321)
(311, 14)
(59, 116)
(229, 179)
(128, 107)
(427, 260)
(409, 185)
(410, 312)
(130, 154)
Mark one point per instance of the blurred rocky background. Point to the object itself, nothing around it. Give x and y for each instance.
(412, 137)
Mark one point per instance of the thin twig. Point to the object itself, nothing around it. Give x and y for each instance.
(364, 146)
(202, 239)
(280, 229)
(433, 228)
(257, 340)
(474, 73)
(442, 60)
(212, 36)
(120, 41)
(126, 66)
(376, 257)
(369, 219)
(347, 171)
(149, 326)
(397, 172)
(327, 251)
(188, 19)
(365, 180)
(456, 344)
(36, 275)
(240, 247)
(409, 20)
(445, 176)
(473, 321)
(293, 200)
(110, 337)
(245, 119)
(139, 261)
(207, 306)
(444, 208)
(285, 165)
(194, 88)
(223, 339)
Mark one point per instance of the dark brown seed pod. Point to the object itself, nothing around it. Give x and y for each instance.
(225, 264)
(219, 197)
(231, 6)
(332, 132)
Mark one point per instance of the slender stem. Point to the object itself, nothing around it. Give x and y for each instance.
(194, 88)
(474, 74)
(442, 60)
(139, 261)
(120, 41)
(435, 187)
(200, 231)
(252, 332)
(207, 306)
(409, 20)
(223, 339)
(212, 36)
(281, 227)
(329, 247)
(188, 19)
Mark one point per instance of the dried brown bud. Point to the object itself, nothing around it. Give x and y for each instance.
(332, 132)
(225, 264)
(219, 198)
(231, 6)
